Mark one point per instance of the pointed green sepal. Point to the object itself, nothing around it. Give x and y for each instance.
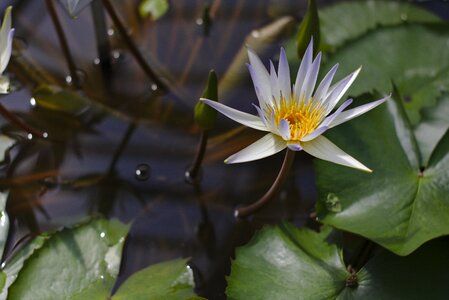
(205, 115)
(309, 27)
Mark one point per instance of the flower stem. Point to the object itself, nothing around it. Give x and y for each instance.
(192, 172)
(63, 41)
(19, 123)
(101, 34)
(131, 45)
(274, 189)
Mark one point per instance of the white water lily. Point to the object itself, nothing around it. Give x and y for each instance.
(6, 35)
(296, 117)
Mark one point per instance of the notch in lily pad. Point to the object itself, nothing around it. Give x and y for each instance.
(204, 115)
(308, 29)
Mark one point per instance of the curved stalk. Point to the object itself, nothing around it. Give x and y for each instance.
(274, 189)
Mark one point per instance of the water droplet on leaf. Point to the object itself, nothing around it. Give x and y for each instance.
(333, 203)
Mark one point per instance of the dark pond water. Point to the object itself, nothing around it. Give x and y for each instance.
(124, 152)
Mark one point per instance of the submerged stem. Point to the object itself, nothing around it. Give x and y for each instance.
(121, 147)
(101, 34)
(193, 171)
(19, 123)
(63, 41)
(274, 189)
(131, 45)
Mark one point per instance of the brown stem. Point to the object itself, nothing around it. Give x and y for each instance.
(192, 173)
(63, 41)
(274, 189)
(19, 123)
(119, 151)
(132, 46)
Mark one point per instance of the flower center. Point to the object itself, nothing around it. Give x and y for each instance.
(303, 118)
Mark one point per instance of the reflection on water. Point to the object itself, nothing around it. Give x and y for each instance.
(122, 148)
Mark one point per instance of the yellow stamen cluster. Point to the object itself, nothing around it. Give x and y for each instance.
(303, 118)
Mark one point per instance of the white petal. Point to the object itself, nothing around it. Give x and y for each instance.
(260, 76)
(6, 52)
(355, 112)
(6, 26)
(323, 88)
(284, 75)
(310, 81)
(236, 115)
(324, 149)
(332, 117)
(268, 145)
(303, 69)
(319, 131)
(6, 35)
(260, 86)
(284, 129)
(274, 82)
(337, 90)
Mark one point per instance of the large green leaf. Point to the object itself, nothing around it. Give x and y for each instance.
(402, 204)
(166, 280)
(345, 21)
(14, 264)
(284, 262)
(78, 263)
(415, 57)
(422, 275)
(433, 125)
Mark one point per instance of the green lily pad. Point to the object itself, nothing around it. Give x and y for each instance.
(413, 56)
(421, 275)
(13, 265)
(433, 126)
(77, 263)
(284, 262)
(403, 203)
(167, 280)
(348, 20)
